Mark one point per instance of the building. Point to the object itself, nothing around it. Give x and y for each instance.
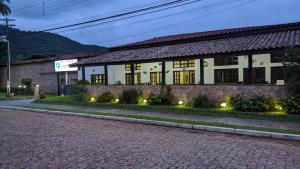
(229, 59)
(51, 73)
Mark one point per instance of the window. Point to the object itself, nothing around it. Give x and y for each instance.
(184, 63)
(155, 78)
(226, 75)
(98, 79)
(277, 73)
(184, 77)
(258, 75)
(128, 78)
(226, 61)
(276, 57)
(136, 67)
(137, 78)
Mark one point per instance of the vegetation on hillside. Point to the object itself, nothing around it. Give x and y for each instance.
(27, 44)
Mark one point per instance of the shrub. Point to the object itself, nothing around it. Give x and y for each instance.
(80, 85)
(290, 104)
(256, 104)
(105, 97)
(130, 96)
(163, 98)
(202, 101)
(81, 97)
(42, 95)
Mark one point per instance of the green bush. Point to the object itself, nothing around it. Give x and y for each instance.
(42, 95)
(82, 97)
(105, 97)
(202, 101)
(252, 104)
(290, 104)
(163, 98)
(80, 86)
(130, 96)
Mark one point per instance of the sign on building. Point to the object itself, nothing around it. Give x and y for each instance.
(64, 65)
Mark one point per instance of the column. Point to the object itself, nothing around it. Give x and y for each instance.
(250, 69)
(132, 73)
(163, 73)
(106, 75)
(201, 71)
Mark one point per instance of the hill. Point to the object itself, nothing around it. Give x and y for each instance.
(28, 44)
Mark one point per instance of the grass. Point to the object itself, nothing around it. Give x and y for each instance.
(216, 112)
(3, 96)
(181, 121)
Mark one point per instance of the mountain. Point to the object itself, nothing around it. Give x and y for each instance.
(28, 44)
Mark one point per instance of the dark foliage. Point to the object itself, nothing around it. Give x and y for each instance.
(163, 98)
(105, 97)
(202, 101)
(252, 104)
(130, 96)
(290, 104)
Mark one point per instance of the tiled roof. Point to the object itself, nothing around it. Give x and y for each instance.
(242, 43)
(211, 35)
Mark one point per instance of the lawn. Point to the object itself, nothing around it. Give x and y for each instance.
(181, 121)
(216, 112)
(3, 96)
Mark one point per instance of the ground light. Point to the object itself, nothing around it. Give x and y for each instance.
(144, 100)
(117, 101)
(180, 102)
(223, 104)
(92, 99)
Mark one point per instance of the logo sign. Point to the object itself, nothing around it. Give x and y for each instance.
(64, 65)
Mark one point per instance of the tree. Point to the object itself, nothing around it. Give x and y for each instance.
(4, 8)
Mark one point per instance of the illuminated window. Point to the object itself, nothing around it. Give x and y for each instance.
(98, 79)
(136, 67)
(184, 77)
(184, 63)
(155, 78)
(226, 61)
(137, 78)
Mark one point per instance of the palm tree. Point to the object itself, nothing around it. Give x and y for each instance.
(4, 9)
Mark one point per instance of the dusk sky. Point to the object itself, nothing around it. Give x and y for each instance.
(195, 17)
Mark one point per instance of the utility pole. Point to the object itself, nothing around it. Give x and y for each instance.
(8, 83)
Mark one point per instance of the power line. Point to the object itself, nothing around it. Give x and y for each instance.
(141, 14)
(119, 15)
(94, 17)
(147, 20)
(176, 24)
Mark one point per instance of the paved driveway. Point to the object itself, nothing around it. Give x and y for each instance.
(32, 140)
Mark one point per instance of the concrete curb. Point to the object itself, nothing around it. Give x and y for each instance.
(244, 132)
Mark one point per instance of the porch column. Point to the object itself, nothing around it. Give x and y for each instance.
(83, 73)
(132, 73)
(58, 84)
(250, 69)
(163, 72)
(105, 75)
(201, 71)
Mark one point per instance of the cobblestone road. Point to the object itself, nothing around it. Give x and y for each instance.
(32, 140)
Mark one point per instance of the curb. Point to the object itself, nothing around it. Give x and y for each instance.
(244, 132)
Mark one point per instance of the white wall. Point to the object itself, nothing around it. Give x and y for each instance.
(117, 72)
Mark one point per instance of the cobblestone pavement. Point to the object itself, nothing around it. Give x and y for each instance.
(33, 140)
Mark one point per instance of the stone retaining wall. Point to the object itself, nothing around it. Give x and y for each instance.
(217, 93)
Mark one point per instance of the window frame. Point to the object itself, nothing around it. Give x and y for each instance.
(183, 63)
(226, 61)
(98, 79)
(234, 80)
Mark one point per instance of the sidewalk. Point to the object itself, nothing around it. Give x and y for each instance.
(226, 120)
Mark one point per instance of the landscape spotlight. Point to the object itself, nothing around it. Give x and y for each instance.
(223, 104)
(180, 102)
(144, 101)
(92, 99)
(117, 100)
